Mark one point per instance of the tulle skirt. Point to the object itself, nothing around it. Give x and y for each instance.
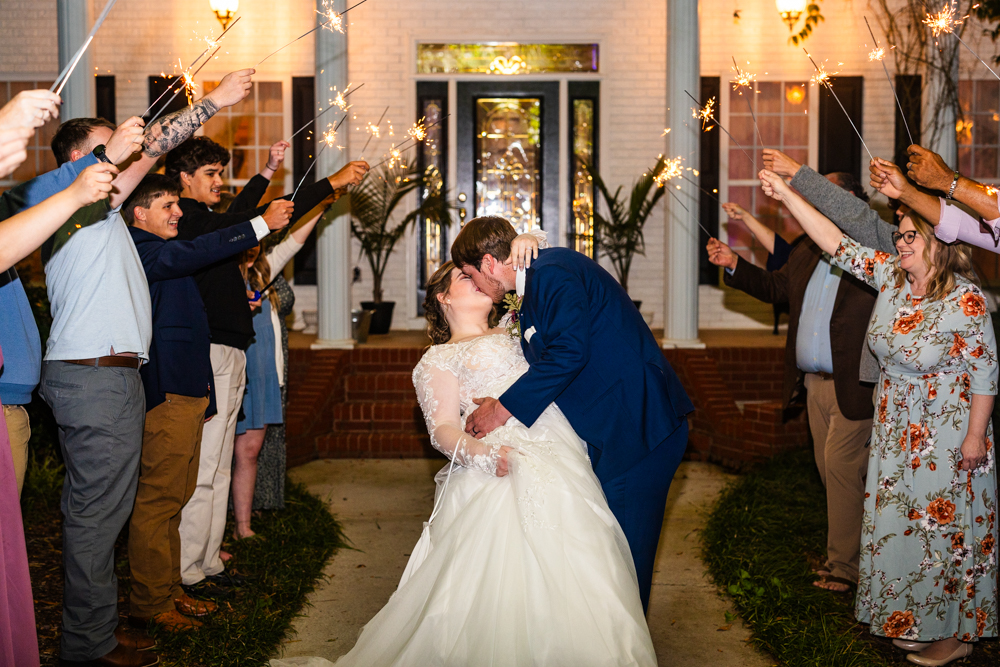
(527, 569)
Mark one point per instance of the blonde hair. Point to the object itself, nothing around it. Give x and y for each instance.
(255, 275)
(952, 260)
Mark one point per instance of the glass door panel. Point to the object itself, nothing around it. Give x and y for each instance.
(508, 159)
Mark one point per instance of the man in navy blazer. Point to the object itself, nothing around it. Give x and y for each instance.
(591, 353)
(178, 386)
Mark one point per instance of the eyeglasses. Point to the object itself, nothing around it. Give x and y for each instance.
(908, 237)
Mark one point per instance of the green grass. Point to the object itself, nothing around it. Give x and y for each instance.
(757, 544)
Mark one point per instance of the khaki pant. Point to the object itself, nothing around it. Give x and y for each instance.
(19, 432)
(842, 459)
(171, 442)
(203, 521)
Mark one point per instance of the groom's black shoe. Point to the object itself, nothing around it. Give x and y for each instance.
(206, 590)
(227, 579)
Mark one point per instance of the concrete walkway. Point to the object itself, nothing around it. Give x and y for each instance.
(382, 504)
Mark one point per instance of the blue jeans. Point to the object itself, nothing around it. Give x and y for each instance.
(638, 498)
(100, 413)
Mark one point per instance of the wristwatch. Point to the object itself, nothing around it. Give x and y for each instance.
(954, 184)
(101, 154)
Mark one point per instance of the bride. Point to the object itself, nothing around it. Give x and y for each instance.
(521, 562)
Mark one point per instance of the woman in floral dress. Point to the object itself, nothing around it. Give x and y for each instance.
(929, 537)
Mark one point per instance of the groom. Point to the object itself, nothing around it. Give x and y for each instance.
(592, 354)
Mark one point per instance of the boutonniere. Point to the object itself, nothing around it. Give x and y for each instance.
(511, 321)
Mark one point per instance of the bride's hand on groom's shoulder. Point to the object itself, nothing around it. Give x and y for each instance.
(523, 249)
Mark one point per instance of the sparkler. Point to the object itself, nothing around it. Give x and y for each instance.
(672, 169)
(746, 80)
(701, 113)
(823, 77)
(395, 152)
(329, 140)
(186, 76)
(373, 131)
(63, 77)
(944, 23)
(339, 102)
(878, 53)
(333, 19)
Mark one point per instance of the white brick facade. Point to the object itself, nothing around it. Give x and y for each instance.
(142, 38)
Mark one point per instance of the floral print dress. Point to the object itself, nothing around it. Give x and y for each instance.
(929, 536)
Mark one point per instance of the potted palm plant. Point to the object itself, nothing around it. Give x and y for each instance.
(373, 204)
(621, 232)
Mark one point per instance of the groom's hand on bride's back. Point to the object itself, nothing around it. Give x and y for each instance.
(490, 415)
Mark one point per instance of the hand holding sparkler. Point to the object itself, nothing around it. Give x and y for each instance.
(278, 213)
(721, 255)
(93, 184)
(774, 186)
(233, 88)
(927, 169)
(275, 158)
(779, 163)
(30, 108)
(350, 174)
(126, 140)
(887, 178)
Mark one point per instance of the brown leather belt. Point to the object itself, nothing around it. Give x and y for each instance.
(823, 375)
(116, 361)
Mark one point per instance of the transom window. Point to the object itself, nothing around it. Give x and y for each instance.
(506, 58)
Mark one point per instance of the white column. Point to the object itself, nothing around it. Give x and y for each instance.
(333, 245)
(74, 22)
(680, 251)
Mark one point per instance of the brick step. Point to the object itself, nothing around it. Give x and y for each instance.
(388, 387)
(378, 417)
(375, 445)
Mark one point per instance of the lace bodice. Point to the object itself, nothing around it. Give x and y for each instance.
(449, 376)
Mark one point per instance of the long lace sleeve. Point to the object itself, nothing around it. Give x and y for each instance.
(438, 395)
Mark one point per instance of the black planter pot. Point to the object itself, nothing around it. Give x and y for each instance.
(638, 304)
(382, 317)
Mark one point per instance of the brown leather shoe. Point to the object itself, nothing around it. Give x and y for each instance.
(188, 606)
(174, 621)
(133, 638)
(123, 656)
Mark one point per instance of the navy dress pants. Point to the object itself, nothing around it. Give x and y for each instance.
(638, 497)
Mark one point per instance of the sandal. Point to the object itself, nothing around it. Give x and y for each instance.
(830, 579)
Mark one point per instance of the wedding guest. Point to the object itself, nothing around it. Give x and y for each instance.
(259, 455)
(928, 566)
(197, 165)
(100, 335)
(177, 382)
(778, 249)
(826, 360)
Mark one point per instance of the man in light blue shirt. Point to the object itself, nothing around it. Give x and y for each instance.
(813, 352)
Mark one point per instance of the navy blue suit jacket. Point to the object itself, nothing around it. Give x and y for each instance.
(179, 357)
(593, 355)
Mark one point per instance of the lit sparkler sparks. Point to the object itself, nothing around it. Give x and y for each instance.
(747, 79)
(944, 21)
(879, 54)
(395, 152)
(324, 24)
(705, 114)
(719, 125)
(337, 103)
(373, 132)
(419, 130)
(671, 169)
(334, 20)
(823, 77)
(172, 97)
(327, 140)
(373, 129)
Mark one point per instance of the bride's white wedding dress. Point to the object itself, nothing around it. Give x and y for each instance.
(527, 569)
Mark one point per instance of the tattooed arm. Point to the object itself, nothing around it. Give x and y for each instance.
(172, 130)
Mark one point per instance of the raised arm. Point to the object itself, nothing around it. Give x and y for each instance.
(760, 232)
(819, 228)
(22, 234)
(169, 132)
(176, 259)
(888, 179)
(928, 170)
(438, 395)
(848, 212)
(768, 286)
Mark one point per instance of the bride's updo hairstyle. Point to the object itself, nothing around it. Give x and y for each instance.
(437, 324)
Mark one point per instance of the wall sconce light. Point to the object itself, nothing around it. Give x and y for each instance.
(790, 11)
(224, 10)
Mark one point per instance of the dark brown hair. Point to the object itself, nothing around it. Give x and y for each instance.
(488, 235)
(150, 188)
(437, 324)
(192, 155)
(74, 134)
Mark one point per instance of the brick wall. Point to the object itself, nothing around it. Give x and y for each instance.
(361, 404)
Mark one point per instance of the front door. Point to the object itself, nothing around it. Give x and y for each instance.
(508, 152)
